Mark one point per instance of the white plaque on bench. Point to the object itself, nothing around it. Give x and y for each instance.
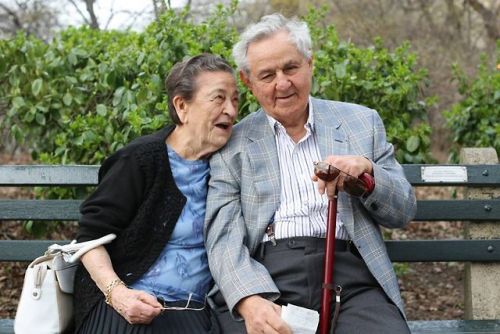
(444, 174)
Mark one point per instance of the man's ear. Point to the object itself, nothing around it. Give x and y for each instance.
(180, 108)
(311, 62)
(245, 80)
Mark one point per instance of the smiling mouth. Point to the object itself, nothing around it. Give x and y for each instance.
(284, 97)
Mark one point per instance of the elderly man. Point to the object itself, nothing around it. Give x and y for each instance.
(266, 218)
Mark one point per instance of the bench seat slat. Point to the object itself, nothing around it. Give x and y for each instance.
(40, 175)
(6, 326)
(416, 327)
(444, 250)
(454, 326)
(39, 209)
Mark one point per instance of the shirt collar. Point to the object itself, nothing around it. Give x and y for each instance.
(309, 123)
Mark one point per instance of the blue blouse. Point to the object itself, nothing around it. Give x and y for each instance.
(182, 269)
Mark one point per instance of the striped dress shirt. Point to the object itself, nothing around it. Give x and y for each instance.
(302, 211)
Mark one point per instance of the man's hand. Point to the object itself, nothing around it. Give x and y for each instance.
(262, 316)
(350, 164)
(137, 307)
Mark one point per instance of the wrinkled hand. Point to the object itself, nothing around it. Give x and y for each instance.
(137, 307)
(262, 316)
(350, 164)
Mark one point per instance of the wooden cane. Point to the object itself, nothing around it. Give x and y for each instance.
(366, 184)
(329, 263)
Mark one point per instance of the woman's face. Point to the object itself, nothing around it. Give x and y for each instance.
(213, 109)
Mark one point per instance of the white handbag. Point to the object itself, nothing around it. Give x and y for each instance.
(46, 304)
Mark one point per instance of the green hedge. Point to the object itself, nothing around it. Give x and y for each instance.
(87, 93)
(475, 120)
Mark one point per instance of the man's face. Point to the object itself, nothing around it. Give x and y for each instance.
(280, 78)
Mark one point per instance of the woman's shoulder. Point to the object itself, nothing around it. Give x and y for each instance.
(148, 141)
(142, 148)
(144, 143)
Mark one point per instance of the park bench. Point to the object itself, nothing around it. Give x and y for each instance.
(475, 250)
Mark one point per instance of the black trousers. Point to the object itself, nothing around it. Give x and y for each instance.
(103, 319)
(296, 265)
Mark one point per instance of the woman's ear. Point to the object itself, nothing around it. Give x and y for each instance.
(180, 107)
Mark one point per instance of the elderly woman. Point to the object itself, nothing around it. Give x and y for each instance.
(154, 276)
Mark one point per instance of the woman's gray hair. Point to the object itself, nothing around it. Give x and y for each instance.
(181, 80)
(268, 26)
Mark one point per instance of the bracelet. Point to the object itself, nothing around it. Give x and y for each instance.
(109, 288)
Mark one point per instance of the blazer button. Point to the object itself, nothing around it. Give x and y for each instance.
(374, 206)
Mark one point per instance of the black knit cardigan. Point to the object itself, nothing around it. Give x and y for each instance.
(138, 200)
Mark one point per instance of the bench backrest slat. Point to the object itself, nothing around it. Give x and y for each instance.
(429, 210)
(477, 175)
(399, 251)
(444, 250)
(25, 250)
(39, 209)
(39, 175)
(473, 210)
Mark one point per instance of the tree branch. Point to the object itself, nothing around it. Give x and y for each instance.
(489, 19)
(89, 4)
(13, 15)
(85, 19)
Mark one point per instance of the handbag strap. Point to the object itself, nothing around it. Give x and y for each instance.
(76, 250)
(40, 259)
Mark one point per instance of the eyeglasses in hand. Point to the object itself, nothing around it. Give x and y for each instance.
(354, 186)
(186, 307)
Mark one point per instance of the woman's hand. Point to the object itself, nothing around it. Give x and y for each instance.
(137, 307)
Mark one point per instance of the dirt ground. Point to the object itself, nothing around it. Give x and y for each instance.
(430, 290)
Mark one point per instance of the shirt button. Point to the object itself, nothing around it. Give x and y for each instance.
(374, 206)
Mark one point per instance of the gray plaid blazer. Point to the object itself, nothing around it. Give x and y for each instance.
(244, 194)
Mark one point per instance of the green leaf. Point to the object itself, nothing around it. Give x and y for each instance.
(36, 86)
(117, 98)
(340, 70)
(111, 78)
(40, 118)
(18, 134)
(28, 226)
(101, 110)
(72, 59)
(140, 59)
(412, 143)
(18, 102)
(67, 99)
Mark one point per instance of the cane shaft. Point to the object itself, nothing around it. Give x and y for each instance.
(326, 297)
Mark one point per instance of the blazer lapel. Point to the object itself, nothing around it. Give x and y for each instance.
(332, 140)
(263, 158)
(330, 135)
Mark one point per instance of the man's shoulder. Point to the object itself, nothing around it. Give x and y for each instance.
(340, 106)
(243, 128)
(342, 110)
(243, 132)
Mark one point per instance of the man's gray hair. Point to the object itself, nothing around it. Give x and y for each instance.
(268, 26)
